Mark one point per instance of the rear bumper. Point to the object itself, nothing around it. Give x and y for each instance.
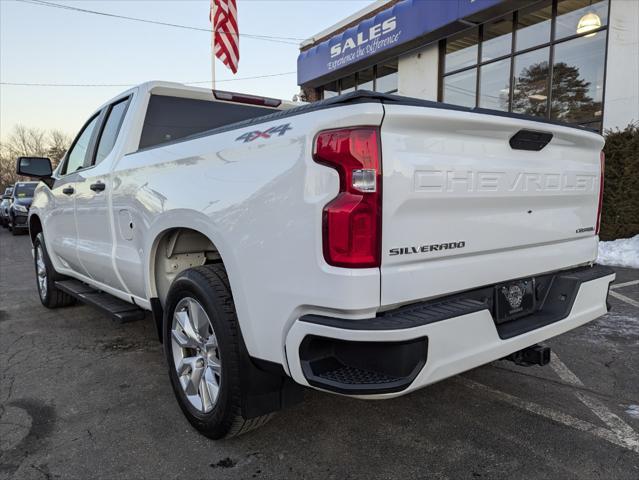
(402, 350)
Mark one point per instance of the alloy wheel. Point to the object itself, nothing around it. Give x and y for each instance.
(196, 355)
(41, 271)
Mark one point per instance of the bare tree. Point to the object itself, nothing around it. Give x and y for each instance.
(29, 142)
(59, 143)
(25, 141)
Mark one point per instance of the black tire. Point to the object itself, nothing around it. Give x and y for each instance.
(52, 297)
(209, 286)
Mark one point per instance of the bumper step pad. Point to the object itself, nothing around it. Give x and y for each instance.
(119, 310)
(355, 376)
(360, 368)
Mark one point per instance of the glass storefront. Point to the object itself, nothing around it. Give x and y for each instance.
(546, 61)
(380, 78)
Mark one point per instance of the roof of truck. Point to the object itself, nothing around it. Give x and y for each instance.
(160, 87)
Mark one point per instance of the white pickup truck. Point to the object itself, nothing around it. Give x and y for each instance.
(366, 245)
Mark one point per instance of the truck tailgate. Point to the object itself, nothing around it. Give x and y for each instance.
(462, 208)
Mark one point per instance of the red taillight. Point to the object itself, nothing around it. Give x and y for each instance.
(352, 220)
(602, 160)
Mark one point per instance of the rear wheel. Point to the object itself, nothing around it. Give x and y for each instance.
(46, 276)
(202, 346)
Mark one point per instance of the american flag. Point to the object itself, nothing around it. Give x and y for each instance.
(226, 41)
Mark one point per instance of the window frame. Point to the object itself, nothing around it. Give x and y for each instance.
(514, 17)
(103, 121)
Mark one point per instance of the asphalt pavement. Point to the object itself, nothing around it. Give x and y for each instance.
(82, 397)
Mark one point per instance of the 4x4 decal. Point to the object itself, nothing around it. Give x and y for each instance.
(255, 134)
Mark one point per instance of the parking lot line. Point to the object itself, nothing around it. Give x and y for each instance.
(554, 415)
(624, 432)
(620, 428)
(563, 371)
(623, 298)
(625, 284)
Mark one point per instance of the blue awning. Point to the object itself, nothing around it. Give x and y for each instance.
(401, 23)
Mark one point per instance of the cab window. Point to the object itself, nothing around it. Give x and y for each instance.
(78, 153)
(110, 130)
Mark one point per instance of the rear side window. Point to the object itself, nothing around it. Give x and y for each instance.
(111, 129)
(169, 118)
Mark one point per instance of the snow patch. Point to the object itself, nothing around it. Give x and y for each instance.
(612, 329)
(623, 252)
(633, 411)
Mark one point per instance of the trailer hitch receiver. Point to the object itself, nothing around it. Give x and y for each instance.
(534, 355)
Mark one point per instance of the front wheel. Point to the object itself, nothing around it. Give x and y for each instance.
(50, 295)
(202, 346)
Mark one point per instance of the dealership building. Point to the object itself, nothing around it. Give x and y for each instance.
(572, 61)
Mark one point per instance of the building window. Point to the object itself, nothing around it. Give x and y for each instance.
(381, 78)
(497, 39)
(348, 84)
(331, 90)
(495, 88)
(531, 72)
(366, 79)
(387, 78)
(582, 13)
(533, 26)
(577, 81)
(545, 61)
(460, 88)
(461, 50)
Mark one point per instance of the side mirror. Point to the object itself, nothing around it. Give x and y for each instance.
(34, 167)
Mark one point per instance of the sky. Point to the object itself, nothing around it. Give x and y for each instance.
(40, 44)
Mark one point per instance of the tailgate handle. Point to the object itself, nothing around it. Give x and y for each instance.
(530, 140)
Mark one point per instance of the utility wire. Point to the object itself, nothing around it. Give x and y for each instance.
(24, 84)
(285, 40)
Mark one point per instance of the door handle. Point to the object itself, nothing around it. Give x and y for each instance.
(68, 190)
(97, 187)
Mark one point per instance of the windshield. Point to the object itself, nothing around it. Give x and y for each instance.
(23, 190)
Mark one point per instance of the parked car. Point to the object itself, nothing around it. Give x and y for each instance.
(365, 245)
(4, 206)
(19, 205)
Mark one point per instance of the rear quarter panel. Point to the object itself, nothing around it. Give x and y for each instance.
(260, 202)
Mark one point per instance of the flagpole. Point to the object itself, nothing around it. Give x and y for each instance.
(213, 67)
(212, 18)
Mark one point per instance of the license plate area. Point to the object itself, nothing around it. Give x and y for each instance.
(514, 299)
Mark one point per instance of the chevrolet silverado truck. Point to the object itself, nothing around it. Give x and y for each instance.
(365, 245)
